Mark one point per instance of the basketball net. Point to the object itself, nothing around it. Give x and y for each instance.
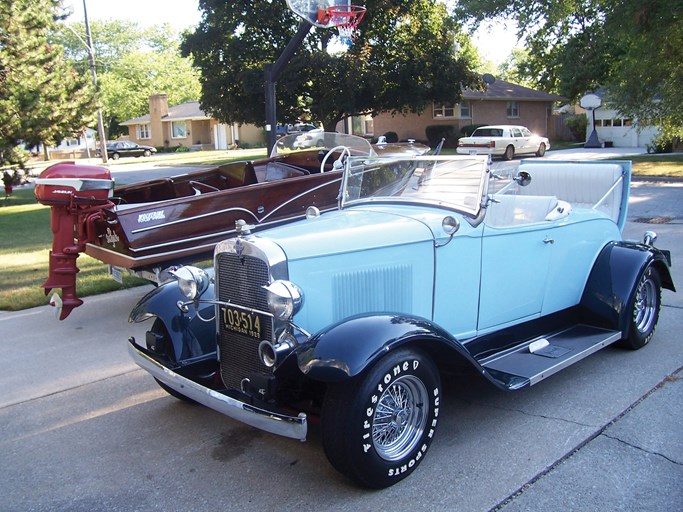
(345, 17)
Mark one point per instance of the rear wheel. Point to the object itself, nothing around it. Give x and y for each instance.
(115, 156)
(377, 427)
(541, 149)
(645, 313)
(509, 153)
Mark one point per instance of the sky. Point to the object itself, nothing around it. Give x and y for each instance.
(494, 40)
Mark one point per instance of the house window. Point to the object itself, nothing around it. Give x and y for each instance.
(178, 130)
(465, 110)
(513, 109)
(143, 131)
(443, 110)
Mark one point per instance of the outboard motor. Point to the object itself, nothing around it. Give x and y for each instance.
(76, 194)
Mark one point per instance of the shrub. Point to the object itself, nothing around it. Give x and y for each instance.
(182, 149)
(391, 136)
(662, 143)
(577, 126)
(436, 132)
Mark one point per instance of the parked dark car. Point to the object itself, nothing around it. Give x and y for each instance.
(116, 150)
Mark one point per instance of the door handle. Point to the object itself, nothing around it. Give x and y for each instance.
(548, 240)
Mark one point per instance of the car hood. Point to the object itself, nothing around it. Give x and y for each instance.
(345, 231)
(356, 261)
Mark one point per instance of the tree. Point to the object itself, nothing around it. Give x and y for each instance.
(402, 59)
(631, 48)
(132, 63)
(42, 98)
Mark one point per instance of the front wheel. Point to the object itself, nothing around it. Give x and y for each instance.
(147, 152)
(541, 150)
(377, 427)
(645, 313)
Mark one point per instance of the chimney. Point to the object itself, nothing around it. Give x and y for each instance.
(158, 108)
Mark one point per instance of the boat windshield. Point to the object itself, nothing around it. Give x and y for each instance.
(455, 182)
(322, 141)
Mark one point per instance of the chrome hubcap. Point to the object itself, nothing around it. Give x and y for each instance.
(645, 307)
(400, 418)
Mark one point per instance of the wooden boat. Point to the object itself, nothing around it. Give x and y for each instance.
(150, 226)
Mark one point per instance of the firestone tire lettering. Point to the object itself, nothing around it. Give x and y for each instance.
(378, 427)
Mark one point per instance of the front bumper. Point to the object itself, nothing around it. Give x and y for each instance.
(294, 427)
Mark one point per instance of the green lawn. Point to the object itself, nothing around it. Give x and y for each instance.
(26, 239)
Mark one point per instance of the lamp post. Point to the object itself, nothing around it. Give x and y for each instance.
(91, 55)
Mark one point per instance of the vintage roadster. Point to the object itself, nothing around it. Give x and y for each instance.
(351, 316)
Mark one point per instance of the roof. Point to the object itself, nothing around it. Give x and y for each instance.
(183, 112)
(502, 90)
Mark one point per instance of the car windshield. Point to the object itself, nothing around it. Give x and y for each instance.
(488, 132)
(322, 141)
(453, 182)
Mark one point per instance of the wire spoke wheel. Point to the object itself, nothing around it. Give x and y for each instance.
(645, 310)
(400, 418)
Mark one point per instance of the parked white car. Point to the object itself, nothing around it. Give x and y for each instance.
(503, 140)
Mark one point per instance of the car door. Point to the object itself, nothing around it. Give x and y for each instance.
(514, 267)
(518, 140)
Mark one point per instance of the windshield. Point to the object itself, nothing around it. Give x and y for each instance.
(322, 141)
(455, 182)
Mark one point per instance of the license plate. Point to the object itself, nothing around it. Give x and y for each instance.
(116, 274)
(243, 322)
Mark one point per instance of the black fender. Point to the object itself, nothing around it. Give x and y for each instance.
(346, 348)
(609, 295)
(190, 336)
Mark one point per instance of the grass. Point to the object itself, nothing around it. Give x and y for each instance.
(24, 256)
(26, 237)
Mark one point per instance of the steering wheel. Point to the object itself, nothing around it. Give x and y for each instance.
(345, 151)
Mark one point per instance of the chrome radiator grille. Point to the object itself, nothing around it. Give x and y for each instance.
(240, 282)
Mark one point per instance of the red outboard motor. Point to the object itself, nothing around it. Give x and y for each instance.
(77, 194)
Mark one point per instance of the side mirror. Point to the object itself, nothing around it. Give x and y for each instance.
(523, 178)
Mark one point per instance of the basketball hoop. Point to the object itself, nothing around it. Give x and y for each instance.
(345, 17)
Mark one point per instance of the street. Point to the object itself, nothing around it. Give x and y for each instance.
(85, 430)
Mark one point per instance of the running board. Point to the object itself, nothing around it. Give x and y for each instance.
(539, 358)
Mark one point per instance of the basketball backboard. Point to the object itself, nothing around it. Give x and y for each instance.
(314, 10)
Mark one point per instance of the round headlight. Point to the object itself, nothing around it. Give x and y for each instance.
(192, 281)
(284, 299)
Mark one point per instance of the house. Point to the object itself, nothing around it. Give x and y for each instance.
(501, 103)
(187, 125)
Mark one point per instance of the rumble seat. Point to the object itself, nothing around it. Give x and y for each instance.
(514, 210)
(583, 185)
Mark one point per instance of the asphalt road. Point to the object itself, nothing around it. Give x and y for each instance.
(84, 430)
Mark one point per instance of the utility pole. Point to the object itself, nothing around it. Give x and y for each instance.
(91, 55)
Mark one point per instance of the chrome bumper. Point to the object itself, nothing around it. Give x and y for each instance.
(295, 427)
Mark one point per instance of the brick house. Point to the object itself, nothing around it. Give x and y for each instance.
(501, 103)
(187, 125)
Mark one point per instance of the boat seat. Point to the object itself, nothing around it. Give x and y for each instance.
(239, 176)
(275, 171)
